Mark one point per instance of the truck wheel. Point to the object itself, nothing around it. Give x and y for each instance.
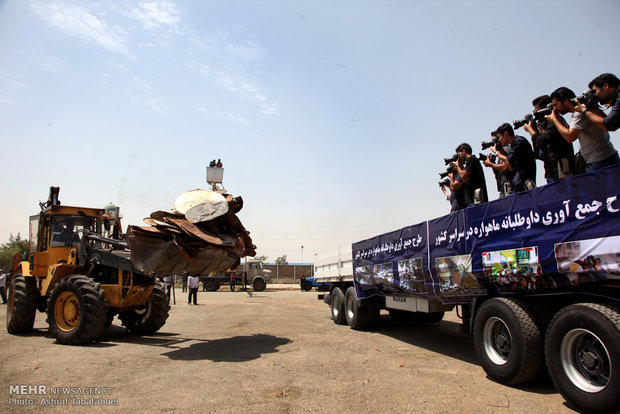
(583, 356)
(337, 306)
(508, 341)
(149, 319)
(211, 285)
(357, 317)
(258, 284)
(306, 286)
(76, 311)
(22, 304)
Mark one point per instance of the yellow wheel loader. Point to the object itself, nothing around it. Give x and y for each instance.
(80, 272)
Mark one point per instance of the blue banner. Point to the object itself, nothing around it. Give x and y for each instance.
(562, 234)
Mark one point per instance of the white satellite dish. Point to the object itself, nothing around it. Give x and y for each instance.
(201, 205)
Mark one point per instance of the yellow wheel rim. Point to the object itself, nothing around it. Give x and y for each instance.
(67, 311)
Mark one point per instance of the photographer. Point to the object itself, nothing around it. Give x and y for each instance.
(454, 197)
(471, 176)
(520, 160)
(596, 148)
(605, 89)
(550, 147)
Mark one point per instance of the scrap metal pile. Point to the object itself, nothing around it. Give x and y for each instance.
(202, 234)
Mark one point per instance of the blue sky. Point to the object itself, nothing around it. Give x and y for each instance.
(331, 117)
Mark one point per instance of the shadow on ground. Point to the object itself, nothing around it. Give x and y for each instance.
(234, 349)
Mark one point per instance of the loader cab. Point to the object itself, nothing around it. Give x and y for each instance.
(56, 231)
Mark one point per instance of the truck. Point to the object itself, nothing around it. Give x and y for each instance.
(534, 277)
(251, 271)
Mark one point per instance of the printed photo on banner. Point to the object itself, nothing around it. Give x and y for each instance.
(592, 260)
(411, 275)
(515, 269)
(455, 276)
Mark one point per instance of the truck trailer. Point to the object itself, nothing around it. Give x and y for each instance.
(535, 278)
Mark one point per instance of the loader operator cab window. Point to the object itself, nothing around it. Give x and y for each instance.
(67, 231)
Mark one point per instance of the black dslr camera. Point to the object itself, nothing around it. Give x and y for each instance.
(491, 157)
(444, 183)
(588, 99)
(537, 115)
(489, 144)
(451, 159)
(448, 171)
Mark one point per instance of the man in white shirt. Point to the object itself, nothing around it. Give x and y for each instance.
(2, 286)
(192, 284)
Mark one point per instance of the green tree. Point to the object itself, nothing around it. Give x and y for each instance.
(262, 258)
(15, 245)
(282, 260)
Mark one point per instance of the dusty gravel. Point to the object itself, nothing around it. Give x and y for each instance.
(273, 351)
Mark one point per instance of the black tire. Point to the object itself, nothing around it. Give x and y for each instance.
(151, 318)
(259, 284)
(306, 286)
(583, 356)
(76, 311)
(337, 306)
(508, 341)
(357, 317)
(22, 304)
(211, 285)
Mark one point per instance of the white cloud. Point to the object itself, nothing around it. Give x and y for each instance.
(198, 68)
(51, 67)
(233, 117)
(156, 104)
(5, 100)
(78, 21)
(251, 92)
(155, 15)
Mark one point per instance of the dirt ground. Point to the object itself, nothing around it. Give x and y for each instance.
(273, 351)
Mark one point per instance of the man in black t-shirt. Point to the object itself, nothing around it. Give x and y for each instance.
(471, 176)
(550, 147)
(521, 159)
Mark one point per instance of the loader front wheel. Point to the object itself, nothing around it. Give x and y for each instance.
(150, 319)
(76, 311)
(21, 305)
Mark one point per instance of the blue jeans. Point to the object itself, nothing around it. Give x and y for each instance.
(613, 160)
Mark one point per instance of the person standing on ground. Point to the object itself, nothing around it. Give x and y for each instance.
(192, 284)
(2, 286)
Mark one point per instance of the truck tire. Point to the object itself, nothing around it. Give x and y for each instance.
(76, 311)
(357, 317)
(22, 305)
(151, 318)
(583, 356)
(258, 284)
(337, 306)
(306, 286)
(508, 341)
(211, 285)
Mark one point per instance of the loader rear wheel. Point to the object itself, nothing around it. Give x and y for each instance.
(150, 319)
(21, 305)
(76, 311)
